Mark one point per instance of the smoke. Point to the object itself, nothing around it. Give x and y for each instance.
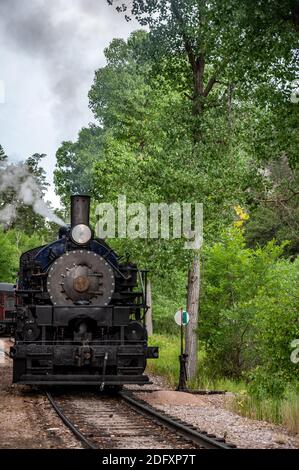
(26, 190)
(65, 38)
(37, 29)
(8, 214)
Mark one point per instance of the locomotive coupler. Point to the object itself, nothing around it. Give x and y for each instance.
(83, 356)
(104, 371)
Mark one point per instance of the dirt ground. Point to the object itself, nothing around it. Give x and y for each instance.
(27, 420)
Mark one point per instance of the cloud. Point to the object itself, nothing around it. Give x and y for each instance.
(49, 52)
(64, 36)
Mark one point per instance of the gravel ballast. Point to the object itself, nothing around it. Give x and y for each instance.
(211, 413)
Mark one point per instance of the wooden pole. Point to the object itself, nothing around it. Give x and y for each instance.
(192, 309)
(149, 315)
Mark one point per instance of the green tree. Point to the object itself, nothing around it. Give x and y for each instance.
(277, 320)
(9, 252)
(234, 277)
(3, 156)
(190, 112)
(74, 168)
(275, 213)
(216, 43)
(12, 244)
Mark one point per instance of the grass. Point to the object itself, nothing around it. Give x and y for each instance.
(168, 363)
(290, 412)
(280, 411)
(263, 410)
(168, 366)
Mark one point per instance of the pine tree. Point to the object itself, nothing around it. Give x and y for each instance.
(3, 156)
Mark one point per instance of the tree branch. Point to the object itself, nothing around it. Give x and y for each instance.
(186, 40)
(280, 200)
(209, 86)
(188, 96)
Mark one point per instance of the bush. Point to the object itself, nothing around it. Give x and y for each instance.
(265, 384)
(249, 318)
(277, 320)
(233, 275)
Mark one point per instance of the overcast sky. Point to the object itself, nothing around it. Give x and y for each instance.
(49, 50)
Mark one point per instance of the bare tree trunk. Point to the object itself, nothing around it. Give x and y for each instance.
(192, 308)
(149, 316)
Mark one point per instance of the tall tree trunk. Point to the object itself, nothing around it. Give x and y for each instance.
(192, 308)
(200, 92)
(149, 316)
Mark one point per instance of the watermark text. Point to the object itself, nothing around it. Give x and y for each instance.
(157, 220)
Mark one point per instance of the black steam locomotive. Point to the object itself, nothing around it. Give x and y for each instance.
(80, 312)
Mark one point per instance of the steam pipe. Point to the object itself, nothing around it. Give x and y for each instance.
(80, 208)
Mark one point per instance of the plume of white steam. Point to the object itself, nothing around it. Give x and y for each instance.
(27, 191)
(8, 214)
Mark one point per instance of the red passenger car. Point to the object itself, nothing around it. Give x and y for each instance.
(7, 309)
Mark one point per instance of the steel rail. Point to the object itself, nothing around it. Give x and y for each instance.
(181, 428)
(186, 430)
(69, 424)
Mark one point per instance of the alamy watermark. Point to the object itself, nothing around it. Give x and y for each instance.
(157, 220)
(295, 92)
(295, 353)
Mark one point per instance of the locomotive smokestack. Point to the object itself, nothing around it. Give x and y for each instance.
(80, 206)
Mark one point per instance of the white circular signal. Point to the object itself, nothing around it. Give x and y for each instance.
(181, 318)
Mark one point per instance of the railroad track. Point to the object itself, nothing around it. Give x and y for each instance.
(123, 421)
(190, 432)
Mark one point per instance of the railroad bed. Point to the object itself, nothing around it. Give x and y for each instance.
(29, 421)
(122, 421)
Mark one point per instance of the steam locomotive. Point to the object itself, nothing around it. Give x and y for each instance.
(80, 312)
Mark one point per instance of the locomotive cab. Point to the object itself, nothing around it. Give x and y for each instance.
(81, 313)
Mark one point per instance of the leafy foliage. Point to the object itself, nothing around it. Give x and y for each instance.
(12, 244)
(249, 313)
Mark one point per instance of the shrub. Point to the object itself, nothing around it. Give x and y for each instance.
(265, 384)
(277, 320)
(233, 275)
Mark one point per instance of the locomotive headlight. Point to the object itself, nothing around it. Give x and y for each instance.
(81, 234)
